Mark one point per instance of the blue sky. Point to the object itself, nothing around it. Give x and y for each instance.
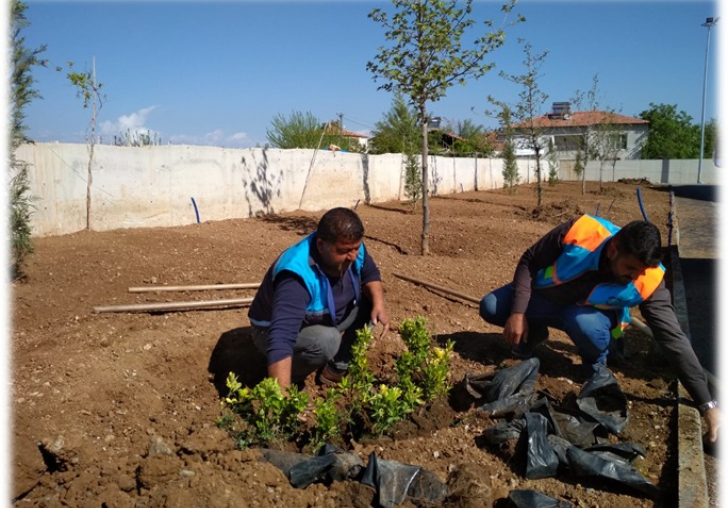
(218, 73)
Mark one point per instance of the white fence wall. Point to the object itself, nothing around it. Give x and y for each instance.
(161, 185)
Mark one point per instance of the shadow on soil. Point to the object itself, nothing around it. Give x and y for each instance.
(235, 352)
(301, 225)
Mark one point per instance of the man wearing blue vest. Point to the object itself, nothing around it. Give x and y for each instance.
(314, 298)
(583, 277)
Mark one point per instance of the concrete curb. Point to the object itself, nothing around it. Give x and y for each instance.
(692, 479)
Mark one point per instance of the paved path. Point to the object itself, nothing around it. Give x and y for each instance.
(696, 207)
(696, 295)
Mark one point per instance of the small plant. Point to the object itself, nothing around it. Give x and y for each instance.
(387, 407)
(413, 180)
(269, 413)
(328, 420)
(358, 403)
(21, 209)
(423, 362)
(378, 408)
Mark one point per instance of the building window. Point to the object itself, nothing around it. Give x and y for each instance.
(568, 143)
(619, 141)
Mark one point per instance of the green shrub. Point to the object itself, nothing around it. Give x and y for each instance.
(358, 404)
(269, 414)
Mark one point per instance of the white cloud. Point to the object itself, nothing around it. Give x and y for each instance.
(131, 125)
(132, 122)
(239, 137)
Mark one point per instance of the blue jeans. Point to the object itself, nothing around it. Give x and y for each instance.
(588, 328)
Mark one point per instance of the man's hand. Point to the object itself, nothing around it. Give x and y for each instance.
(379, 315)
(713, 419)
(516, 329)
(375, 292)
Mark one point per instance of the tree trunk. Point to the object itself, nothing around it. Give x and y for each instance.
(539, 190)
(89, 182)
(90, 178)
(425, 244)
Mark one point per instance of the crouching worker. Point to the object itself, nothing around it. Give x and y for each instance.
(583, 277)
(314, 298)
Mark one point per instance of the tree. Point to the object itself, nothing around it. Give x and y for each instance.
(89, 90)
(672, 134)
(510, 165)
(585, 149)
(528, 108)
(475, 140)
(22, 93)
(303, 130)
(300, 130)
(553, 159)
(607, 135)
(412, 180)
(398, 131)
(426, 57)
(137, 138)
(579, 167)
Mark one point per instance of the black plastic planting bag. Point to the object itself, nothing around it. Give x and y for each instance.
(395, 481)
(541, 459)
(332, 463)
(602, 399)
(504, 431)
(303, 474)
(535, 499)
(510, 390)
(284, 460)
(559, 445)
(571, 425)
(625, 453)
(588, 464)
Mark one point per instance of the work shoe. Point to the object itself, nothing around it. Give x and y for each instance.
(330, 375)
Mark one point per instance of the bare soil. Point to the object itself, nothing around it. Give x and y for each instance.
(119, 409)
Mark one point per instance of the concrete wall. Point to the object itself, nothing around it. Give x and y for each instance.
(673, 172)
(155, 186)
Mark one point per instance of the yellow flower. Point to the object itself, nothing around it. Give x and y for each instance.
(439, 352)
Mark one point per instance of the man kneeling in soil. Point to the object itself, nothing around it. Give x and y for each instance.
(583, 277)
(314, 298)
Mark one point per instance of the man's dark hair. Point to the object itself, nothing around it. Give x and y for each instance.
(340, 224)
(642, 240)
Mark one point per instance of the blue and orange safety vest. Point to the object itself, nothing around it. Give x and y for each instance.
(583, 245)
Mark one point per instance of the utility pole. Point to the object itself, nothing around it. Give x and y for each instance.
(709, 22)
(341, 129)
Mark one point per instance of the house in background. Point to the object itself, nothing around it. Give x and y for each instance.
(566, 129)
(350, 140)
(355, 139)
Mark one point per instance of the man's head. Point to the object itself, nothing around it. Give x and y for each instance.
(338, 236)
(635, 247)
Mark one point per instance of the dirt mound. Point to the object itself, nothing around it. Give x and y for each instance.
(120, 409)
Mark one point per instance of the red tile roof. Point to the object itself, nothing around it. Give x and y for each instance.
(584, 119)
(352, 134)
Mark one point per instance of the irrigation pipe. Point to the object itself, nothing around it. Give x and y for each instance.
(439, 288)
(145, 307)
(153, 289)
(642, 206)
(647, 331)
